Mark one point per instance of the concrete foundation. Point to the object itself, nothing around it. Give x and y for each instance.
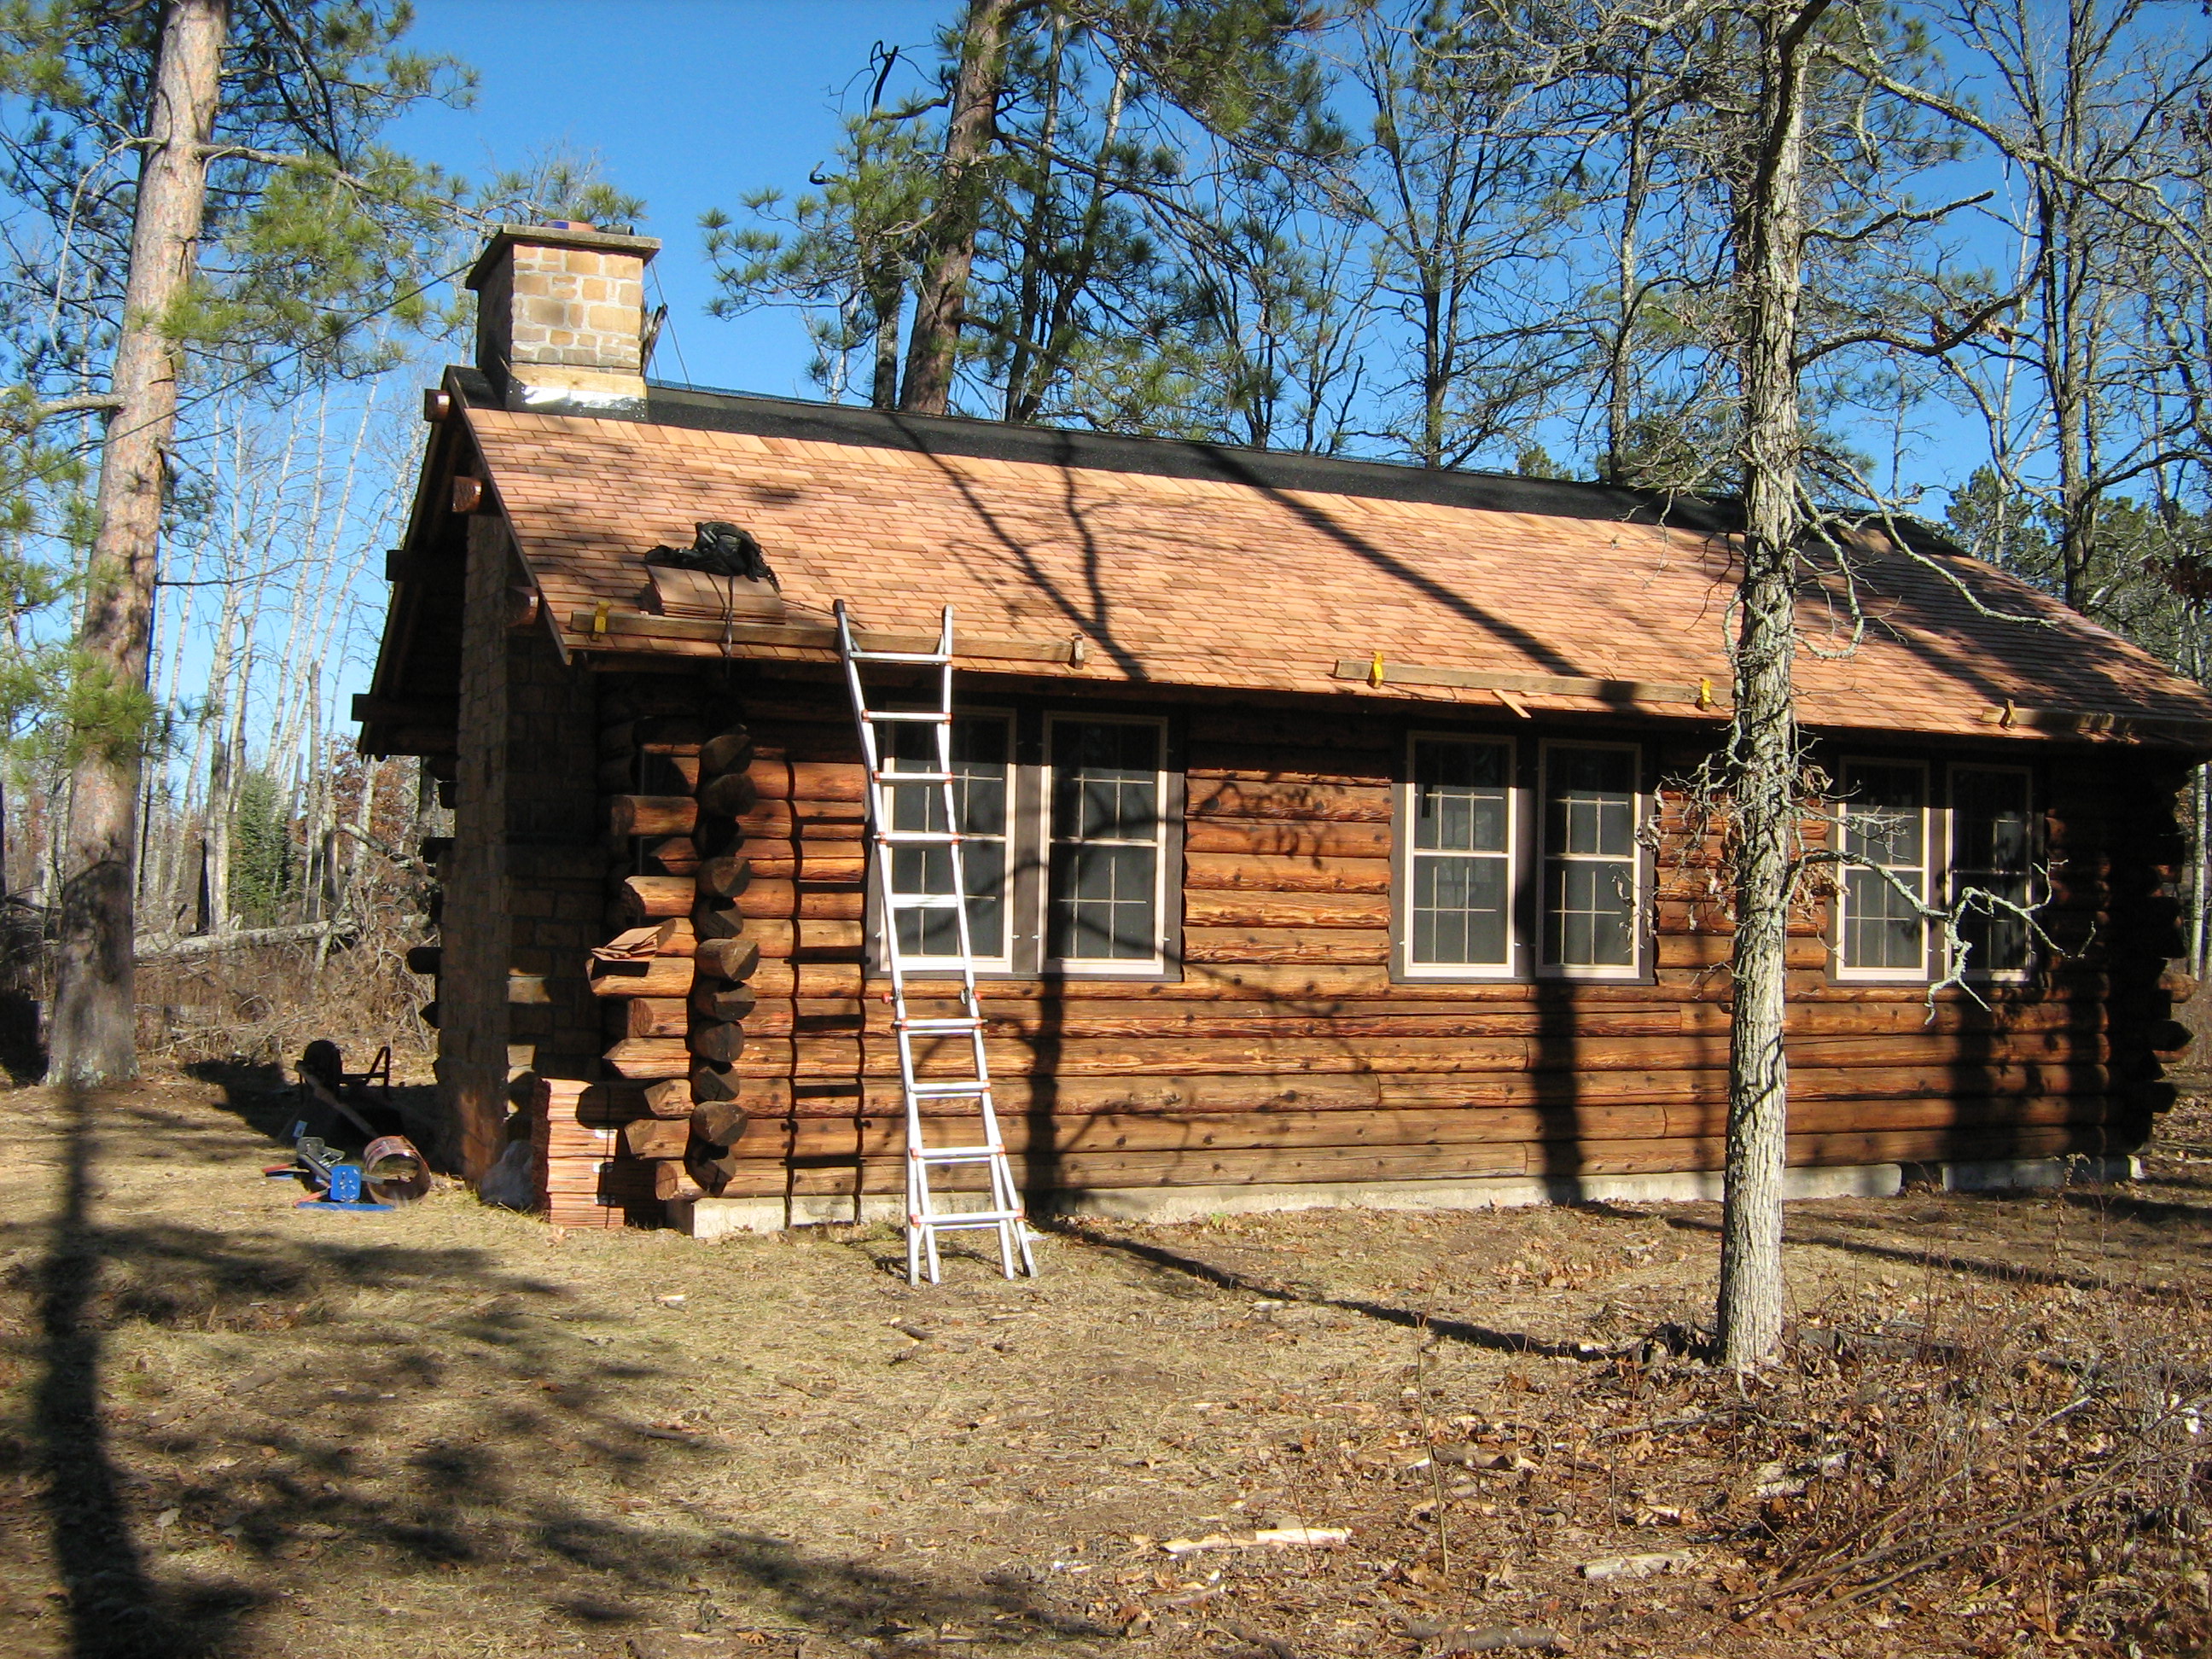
(713, 1218)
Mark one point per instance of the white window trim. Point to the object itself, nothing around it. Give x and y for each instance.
(1003, 963)
(1639, 928)
(1402, 875)
(1989, 975)
(1842, 971)
(1150, 967)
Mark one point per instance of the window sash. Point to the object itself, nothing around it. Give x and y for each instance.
(1882, 818)
(1105, 808)
(1993, 849)
(1592, 896)
(1458, 912)
(982, 798)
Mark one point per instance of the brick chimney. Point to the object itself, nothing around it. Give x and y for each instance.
(561, 319)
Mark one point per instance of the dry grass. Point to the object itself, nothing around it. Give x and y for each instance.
(233, 1428)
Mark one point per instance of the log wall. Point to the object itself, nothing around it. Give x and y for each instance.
(1286, 1052)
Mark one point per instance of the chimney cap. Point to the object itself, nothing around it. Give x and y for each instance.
(563, 233)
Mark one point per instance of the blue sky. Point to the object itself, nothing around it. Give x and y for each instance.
(688, 103)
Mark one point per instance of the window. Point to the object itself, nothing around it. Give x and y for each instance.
(1884, 822)
(1461, 857)
(1992, 852)
(1103, 865)
(981, 777)
(1513, 864)
(1591, 867)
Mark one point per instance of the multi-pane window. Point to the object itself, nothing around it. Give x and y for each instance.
(1992, 848)
(1591, 862)
(1885, 836)
(1461, 858)
(1103, 868)
(980, 772)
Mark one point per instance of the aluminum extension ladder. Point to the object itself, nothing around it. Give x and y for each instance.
(924, 1219)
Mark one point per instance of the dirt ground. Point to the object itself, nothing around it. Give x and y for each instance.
(231, 1427)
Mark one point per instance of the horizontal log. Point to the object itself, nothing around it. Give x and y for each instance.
(884, 1134)
(602, 1105)
(617, 776)
(1238, 798)
(792, 860)
(1098, 1016)
(1713, 950)
(783, 820)
(729, 796)
(725, 877)
(652, 977)
(648, 1017)
(726, 751)
(672, 1182)
(1286, 944)
(649, 1058)
(1275, 874)
(678, 855)
(1212, 759)
(814, 939)
(671, 1098)
(851, 1056)
(812, 901)
(1065, 1094)
(658, 734)
(651, 815)
(1448, 1161)
(1292, 729)
(657, 1137)
(1250, 909)
(778, 778)
(1280, 839)
(728, 958)
(717, 1001)
(721, 1041)
(654, 899)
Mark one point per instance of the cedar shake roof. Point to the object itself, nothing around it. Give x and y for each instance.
(1201, 566)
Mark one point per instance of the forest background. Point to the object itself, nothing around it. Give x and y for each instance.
(1448, 234)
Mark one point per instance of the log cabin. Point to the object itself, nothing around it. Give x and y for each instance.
(1330, 835)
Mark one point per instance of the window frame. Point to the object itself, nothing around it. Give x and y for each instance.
(2026, 971)
(1166, 896)
(1405, 814)
(1639, 861)
(1841, 970)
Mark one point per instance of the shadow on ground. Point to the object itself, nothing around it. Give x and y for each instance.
(399, 1419)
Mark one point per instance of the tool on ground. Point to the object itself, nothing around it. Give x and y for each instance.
(362, 1099)
(340, 1178)
(913, 809)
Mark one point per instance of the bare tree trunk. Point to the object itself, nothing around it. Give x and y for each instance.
(1762, 739)
(93, 1040)
(941, 303)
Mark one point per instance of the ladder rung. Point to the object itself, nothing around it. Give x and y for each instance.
(943, 1023)
(968, 1219)
(896, 779)
(919, 837)
(934, 659)
(925, 901)
(930, 715)
(954, 1154)
(935, 1089)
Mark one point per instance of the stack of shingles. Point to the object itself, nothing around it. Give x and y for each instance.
(605, 1142)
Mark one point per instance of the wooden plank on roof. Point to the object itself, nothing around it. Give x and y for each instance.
(1381, 671)
(2113, 723)
(614, 630)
